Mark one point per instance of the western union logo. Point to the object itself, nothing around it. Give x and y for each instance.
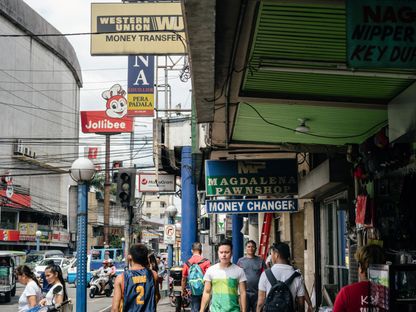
(140, 23)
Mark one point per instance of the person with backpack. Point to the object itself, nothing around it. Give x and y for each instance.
(253, 266)
(193, 272)
(225, 283)
(281, 288)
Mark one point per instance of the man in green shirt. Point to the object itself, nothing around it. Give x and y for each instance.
(223, 282)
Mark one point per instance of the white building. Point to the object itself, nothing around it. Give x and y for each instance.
(40, 80)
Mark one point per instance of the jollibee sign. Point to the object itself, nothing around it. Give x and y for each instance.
(112, 120)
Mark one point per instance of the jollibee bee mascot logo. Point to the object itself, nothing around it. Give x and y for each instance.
(116, 101)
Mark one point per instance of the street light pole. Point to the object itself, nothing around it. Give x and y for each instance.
(38, 235)
(82, 171)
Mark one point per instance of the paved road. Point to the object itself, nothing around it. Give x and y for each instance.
(97, 304)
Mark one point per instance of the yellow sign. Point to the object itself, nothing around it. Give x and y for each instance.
(137, 28)
(141, 104)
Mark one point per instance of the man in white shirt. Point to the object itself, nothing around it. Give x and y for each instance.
(282, 271)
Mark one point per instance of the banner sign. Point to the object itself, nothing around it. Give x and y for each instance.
(111, 120)
(28, 228)
(16, 200)
(9, 235)
(137, 28)
(381, 33)
(251, 205)
(140, 86)
(251, 177)
(165, 183)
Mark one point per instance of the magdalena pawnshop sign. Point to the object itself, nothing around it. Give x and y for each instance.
(251, 177)
(381, 33)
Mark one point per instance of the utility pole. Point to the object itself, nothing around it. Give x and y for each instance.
(107, 186)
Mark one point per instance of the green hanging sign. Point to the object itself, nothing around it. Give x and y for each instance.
(381, 33)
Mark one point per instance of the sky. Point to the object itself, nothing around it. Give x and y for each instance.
(99, 73)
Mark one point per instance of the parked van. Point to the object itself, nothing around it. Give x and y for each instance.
(7, 276)
(35, 257)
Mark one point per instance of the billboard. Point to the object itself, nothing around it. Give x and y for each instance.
(111, 120)
(140, 86)
(165, 183)
(137, 28)
(251, 177)
(381, 33)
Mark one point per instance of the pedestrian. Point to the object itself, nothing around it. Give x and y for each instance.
(196, 278)
(45, 285)
(32, 293)
(136, 288)
(356, 297)
(54, 277)
(253, 266)
(223, 282)
(284, 272)
(161, 272)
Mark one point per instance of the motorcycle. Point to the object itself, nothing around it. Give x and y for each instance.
(177, 300)
(101, 283)
(53, 307)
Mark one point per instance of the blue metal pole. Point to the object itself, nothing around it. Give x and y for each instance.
(170, 246)
(37, 243)
(81, 302)
(123, 247)
(189, 205)
(238, 237)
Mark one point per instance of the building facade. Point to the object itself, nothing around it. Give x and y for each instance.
(40, 80)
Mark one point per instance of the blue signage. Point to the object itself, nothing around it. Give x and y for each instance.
(251, 177)
(251, 205)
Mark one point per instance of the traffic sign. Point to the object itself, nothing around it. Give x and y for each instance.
(169, 234)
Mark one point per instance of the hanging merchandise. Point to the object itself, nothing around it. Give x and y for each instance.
(360, 209)
(364, 212)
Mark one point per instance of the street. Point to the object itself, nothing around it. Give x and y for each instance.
(97, 304)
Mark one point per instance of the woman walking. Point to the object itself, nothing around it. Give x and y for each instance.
(53, 274)
(32, 293)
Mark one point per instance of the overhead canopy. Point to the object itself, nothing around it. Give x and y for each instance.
(278, 61)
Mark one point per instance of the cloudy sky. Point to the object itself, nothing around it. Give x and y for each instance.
(101, 72)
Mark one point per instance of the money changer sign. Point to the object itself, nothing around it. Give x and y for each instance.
(251, 177)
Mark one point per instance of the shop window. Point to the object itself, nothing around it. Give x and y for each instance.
(335, 254)
(162, 204)
(162, 215)
(8, 220)
(148, 204)
(149, 215)
(97, 231)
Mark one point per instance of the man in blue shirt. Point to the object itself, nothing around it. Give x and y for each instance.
(136, 289)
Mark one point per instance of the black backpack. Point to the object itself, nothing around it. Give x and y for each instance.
(279, 298)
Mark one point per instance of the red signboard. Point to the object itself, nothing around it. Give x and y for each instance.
(112, 120)
(15, 201)
(99, 122)
(9, 235)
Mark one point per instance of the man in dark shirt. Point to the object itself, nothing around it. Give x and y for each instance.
(135, 290)
(253, 266)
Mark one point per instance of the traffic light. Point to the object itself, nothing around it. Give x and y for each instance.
(125, 186)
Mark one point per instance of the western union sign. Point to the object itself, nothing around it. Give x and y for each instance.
(137, 28)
